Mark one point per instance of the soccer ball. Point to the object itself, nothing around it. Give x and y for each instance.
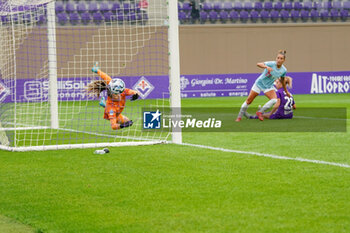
(116, 86)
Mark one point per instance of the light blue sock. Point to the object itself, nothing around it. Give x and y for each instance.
(102, 102)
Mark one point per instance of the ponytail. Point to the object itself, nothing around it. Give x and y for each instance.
(96, 87)
(288, 81)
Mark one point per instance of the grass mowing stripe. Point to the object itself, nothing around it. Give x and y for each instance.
(268, 155)
(9, 225)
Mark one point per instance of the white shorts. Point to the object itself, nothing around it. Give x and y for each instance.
(257, 89)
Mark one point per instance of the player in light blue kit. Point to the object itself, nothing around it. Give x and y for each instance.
(283, 109)
(273, 70)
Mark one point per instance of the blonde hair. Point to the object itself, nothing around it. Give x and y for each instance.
(283, 52)
(288, 81)
(96, 87)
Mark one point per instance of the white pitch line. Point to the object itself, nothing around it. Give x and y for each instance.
(322, 118)
(268, 155)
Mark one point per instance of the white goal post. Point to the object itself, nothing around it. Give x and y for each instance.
(47, 50)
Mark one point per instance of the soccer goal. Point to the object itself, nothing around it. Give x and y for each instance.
(47, 50)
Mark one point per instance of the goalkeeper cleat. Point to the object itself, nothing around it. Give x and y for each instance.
(260, 116)
(126, 124)
(95, 68)
(102, 102)
(238, 119)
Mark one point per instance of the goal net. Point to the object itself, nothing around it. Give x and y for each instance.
(47, 50)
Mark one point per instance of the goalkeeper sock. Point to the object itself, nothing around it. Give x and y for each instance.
(102, 102)
(243, 109)
(268, 105)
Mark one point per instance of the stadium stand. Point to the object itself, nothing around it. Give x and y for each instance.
(211, 12)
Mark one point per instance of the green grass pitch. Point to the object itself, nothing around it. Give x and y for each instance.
(176, 188)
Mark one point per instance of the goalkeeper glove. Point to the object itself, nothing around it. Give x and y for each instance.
(135, 97)
(95, 68)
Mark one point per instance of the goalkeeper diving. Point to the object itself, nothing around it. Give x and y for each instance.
(115, 103)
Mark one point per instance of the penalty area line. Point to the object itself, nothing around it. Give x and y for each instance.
(268, 155)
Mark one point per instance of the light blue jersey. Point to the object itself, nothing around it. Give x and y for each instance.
(266, 80)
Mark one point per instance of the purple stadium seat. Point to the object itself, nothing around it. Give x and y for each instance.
(143, 17)
(324, 15)
(227, 6)
(182, 17)
(59, 7)
(346, 5)
(316, 5)
(207, 6)
(85, 18)
(284, 15)
(334, 14)
(15, 17)
(337, 5)
(97, 18)
(139, 16)
(264, 15)
(217, 6)
(237, 6)
(248, 6)
(268, 6)
(74, 18)
(314, 15)
(327, 5)
(131, 16)
(104, 7)
(304, 15)
(203, 16)
(179, 6)
(81, 7)
(274, 15)
(288, 6)
(307, 5)
(5, 19)
(254, 16)
(27, 18)
(244, 16)
(62, 18)
(126, 7)
(115, 7)
(278, 6)
(294, 15)
(344, 14)
(137, 8)
(186, 7)
(93, 7)
(234, 16)
(108, 16)
(213, 16)
(258, 6)
(70, 7)
(223, 16)
(42, 19)
(120, 16)
(297, 6)
(17, 8)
